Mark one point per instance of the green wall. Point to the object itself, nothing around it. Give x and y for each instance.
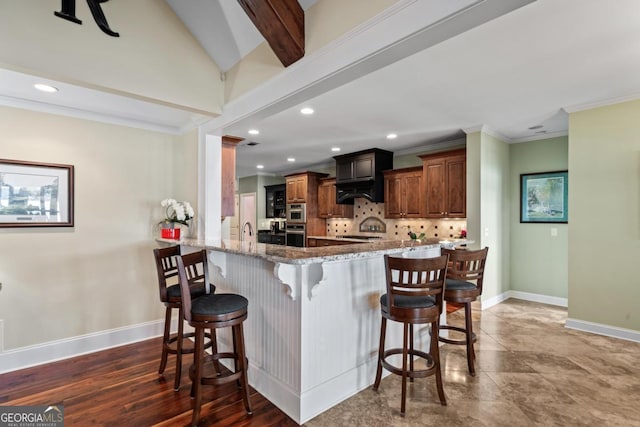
(538, 259)
(604, 215)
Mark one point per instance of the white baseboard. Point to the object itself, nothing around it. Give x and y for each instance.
(526, 296)
(52, 351)
(544, 299)
(600, 329)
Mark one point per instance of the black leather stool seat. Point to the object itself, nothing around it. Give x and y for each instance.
(196, 291)
(459, 285)
(218, 304)
(405, 301)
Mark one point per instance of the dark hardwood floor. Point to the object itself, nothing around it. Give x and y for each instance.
(121, 387)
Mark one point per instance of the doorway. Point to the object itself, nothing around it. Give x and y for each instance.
(248, 215)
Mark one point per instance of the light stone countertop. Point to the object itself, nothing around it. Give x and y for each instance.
(294, 255)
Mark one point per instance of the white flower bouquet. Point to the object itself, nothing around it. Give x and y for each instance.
(177, 212)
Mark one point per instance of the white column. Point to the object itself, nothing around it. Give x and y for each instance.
(210, 186)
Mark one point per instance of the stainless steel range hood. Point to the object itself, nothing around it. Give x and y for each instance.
(359, 174)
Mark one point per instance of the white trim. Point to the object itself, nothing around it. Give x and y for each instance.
(526, 296)
(541, 136)
(603, 103)
(544, 299)
(53, 351)
(606, 330)
(490, 302)
(87, 115)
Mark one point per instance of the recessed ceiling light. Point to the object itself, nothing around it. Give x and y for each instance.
(392, 136)
(335, 149)
(259, 166)
(307, 111)
(535, 127)
(254, 131)
(45, 88)
(290, 159)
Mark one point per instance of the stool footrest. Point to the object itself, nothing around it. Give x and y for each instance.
(415, 373)
(172, 347)
(457, 329)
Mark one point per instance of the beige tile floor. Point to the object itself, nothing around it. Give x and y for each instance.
(532, 371)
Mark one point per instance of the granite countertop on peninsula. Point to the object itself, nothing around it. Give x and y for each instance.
(294, 255)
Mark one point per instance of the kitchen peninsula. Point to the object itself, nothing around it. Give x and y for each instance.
(313, 328)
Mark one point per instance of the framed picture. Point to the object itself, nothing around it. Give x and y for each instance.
(35, 194)
(543, 197)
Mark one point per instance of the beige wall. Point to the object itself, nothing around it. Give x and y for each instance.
(154, 58)
(98, 275)
(604, 215)
(539, 261)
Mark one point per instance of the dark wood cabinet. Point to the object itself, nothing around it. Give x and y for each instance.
(403, 193)
(275, 199)
(359, 174)
(445, 184)
(327, 206)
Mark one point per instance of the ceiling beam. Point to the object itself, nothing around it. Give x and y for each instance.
(281, 23)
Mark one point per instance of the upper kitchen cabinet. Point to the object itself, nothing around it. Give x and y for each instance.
(359, 174)
(327, 206)
(275, 200)
(444, 180)
(297, 188)
(303, 187)
(228, 174)
(403, 193)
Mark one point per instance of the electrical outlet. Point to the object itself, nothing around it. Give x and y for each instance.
(486, 232)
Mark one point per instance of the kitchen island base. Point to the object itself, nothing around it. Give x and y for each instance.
(313, 329)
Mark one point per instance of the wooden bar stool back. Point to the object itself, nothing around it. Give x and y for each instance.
(464, 285)
(167, 269)
(213, 311)
(414, 296)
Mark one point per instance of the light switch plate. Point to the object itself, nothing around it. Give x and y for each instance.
(554, 232)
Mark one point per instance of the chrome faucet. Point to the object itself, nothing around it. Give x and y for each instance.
(243, 228)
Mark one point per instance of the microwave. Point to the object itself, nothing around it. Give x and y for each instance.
(296, 212)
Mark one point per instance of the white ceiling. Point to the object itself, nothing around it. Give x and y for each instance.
(519, 70)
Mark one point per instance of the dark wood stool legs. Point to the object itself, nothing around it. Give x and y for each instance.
(469, 339)
(240, 363)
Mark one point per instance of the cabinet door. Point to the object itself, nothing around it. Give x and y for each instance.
(411, 191)
(344, 170)
(363, 167)
(434, 182)
(325, 202)
(291, 190)
(456, 187)
(270, 206)
(393, 196)
(301, 189)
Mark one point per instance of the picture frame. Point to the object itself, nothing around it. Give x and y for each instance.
(544, 197)
(36, 194)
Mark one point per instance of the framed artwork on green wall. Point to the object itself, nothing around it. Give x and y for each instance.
(35, 194)
(544, 196)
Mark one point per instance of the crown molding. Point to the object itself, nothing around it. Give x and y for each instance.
(602, 103)
(541, 136)
(86, 115)
(489, 131)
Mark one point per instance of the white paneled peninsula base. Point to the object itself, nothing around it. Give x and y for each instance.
(313, 329)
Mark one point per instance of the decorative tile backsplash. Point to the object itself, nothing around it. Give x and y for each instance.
(397, 229)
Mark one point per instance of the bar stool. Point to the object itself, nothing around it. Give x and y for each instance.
(213, 311)
(167, 268)
(414, 296)
(465, 267)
